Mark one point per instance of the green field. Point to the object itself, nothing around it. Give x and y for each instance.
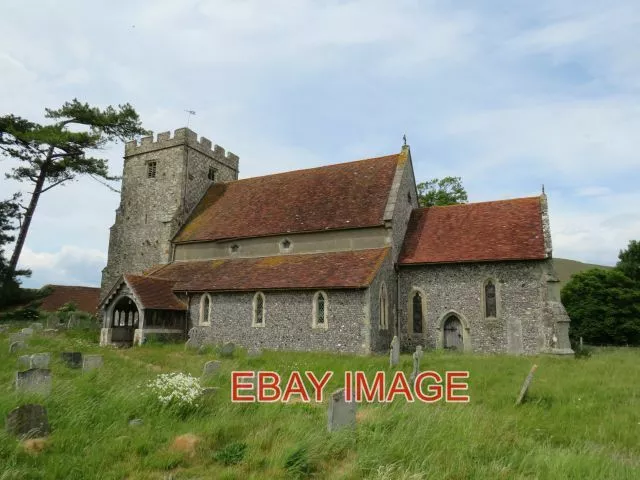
(566, 268)
(581, 420)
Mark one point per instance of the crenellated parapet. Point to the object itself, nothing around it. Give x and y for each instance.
(182, 136)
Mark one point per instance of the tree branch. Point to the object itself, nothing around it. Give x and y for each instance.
(54, 184)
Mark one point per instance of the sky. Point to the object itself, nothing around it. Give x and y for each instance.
(507, 95)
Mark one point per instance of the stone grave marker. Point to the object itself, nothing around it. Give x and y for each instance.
(394, 353)
(40, 360)
(72, 359)
(227, 350)
(17, 337)
(24, 362)
(34, 380)
(49, 331)
(417, 356)
(37, 326)
(28, 421)
(91, 362)
(27, 331)
(209, 391)
(15, 346)
(341, 414)
(254, 352)
(211, 368)
(525, 385)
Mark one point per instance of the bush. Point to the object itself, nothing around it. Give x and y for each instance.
(231, 454)
(176, 391)
(604, 307)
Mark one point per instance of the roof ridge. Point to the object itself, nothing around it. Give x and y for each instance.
(321, 167)
(478, 203)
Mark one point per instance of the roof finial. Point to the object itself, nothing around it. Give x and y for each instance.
(543, 188)
(404, 139)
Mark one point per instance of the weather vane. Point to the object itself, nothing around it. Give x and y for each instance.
(404, 139)
(189, 113)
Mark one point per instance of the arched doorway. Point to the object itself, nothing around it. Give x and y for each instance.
(125, 318)
(453, 333)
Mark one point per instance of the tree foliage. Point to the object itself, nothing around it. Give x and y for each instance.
(629, 261)
(604, 307)
(10, 291)
(439, 192)
(50, 155)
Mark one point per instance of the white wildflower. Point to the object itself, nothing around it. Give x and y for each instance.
(176, 389)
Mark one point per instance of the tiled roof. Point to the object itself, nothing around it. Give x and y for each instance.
(346, 195)
(154, 293)
(85, 298)
(353, 269)
(487, 231)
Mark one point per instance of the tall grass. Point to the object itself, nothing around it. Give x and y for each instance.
(581, 420)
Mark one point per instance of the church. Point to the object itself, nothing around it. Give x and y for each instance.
(338, 258)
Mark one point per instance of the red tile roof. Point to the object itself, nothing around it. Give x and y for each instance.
(346, 195)
(85, 298)
(154, 293)
(353, 269)
(487, 231)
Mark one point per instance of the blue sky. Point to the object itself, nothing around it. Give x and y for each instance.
(508, 96)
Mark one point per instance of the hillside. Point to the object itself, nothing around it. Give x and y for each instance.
(565, 268)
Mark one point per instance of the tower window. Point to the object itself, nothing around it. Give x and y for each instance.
(417, 313)
(151, 169)
(319, 310)
(490, 304)
(258, 310)
(212, 174)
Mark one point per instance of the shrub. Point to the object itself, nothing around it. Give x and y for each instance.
(176, 391)
(231, 454)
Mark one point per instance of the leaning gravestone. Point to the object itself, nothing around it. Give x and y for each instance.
(525, 385)
(24, 362)
(27, 331)
(34, 380)
(28, 421)
(341, 414)
(15, 346)
(227, 350)
(417, 356)
(211, 368)
(40, 360)
(72, 359)
(394, 353)
(91, 362)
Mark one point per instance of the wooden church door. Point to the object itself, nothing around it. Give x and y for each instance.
(453, 333)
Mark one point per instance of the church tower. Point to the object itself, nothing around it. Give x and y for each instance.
(162, 181)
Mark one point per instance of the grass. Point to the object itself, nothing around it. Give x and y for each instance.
(581, 420)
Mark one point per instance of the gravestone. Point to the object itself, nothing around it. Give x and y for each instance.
(211, 368)
(24, 362)
(27, 331)
(28, 421)
(49, 331)
(254, 352)
(17, 337)
(34, 380)
(394, 353)
(209, 391)
(72, 359)
(15, 346)
(525, 385)
(196, 339)
(417, 356)
(341, 414)
(227, 350)
(136, 422)
(91, 362)
(40, 360)
(37, 326)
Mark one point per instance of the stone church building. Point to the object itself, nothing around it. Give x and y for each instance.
(336, 258)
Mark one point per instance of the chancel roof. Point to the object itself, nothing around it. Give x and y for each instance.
(473, 232)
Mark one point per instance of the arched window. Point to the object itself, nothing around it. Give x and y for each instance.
(490, 303)
(383, 310)
(417, 312)
(258, 310)
(205, 309)
(320, 310)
